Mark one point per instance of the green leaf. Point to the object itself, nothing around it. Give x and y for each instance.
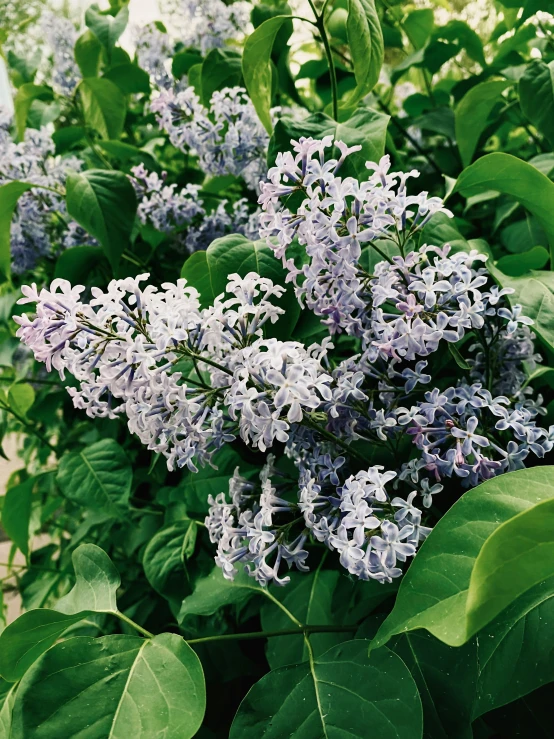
(535, 293)
(88, 51)
(309, 598)
(344, 692)
(21, 398)
(9, 195)
(6, 714)
(112, 687)
(418, 26)
(256, 66)
(365, 127)
(434, 591)
(97, 477)
(104, 203)
(29, 636)
(183, 61)
(458, 358)
(236, 254)
(104, 106)
(16, 514)
(96, 583)
(511, 176)
(129, 78)
(221, 68)
(164, 559)
(105, 27)
(472, 114)
(26, 95)
(519, 264)
(78, 263)
(518, 555)
(536, 97)
(214, 592)
(365, 39)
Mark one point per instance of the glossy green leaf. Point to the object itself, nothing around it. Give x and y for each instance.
(256, 66)
(105, 27)
(24, 98)
(365, 39)
(236, 254)
(88, 52)
(536, 97)
(221, 68)
(97, 477)
(16, 514)
(104, 106)
(78, 263)
(365, 127)
(96, 582)
(112, 688)
(309, 598)
(6, 714)
(129, 78)
(518, 555)
(434, 592)
(511, 176)
(104, 203)
(472, 114)
(9, 195)
(164, 559)
(519, 264)
(214, 592)
(29, 636)
(535, 293)
(344, 692)
(21, 398)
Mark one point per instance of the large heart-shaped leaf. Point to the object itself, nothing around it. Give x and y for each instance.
(110, 688)
(235, 253)
(365, 127)
(104, 203)
(434, 591)
(96, 583)
(214, 591)
(105, 27)
(509, 175)
(344, 692)
(98, 477)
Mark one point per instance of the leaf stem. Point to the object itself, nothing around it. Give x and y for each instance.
(300, 630)
(135, 626)
(320, 25)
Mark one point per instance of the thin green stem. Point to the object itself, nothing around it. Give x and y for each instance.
(135, 626)
(300, 630)
(28, 426)
(320, 25)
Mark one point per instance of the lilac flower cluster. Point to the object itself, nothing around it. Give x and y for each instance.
(190, 380)
(60, 35)
(210, 24)
(40, 221)
(228, 138)
(153, 49)
(170, 211)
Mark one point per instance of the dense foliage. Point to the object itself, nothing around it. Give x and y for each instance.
(276, 343)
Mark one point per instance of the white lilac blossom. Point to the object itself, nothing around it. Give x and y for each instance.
(188, 380)
(210, 24)
(182, 214)
(153, 49)
(228, 138)
(161, 205)
(191, 379)
(60, 35)
(40, 222)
